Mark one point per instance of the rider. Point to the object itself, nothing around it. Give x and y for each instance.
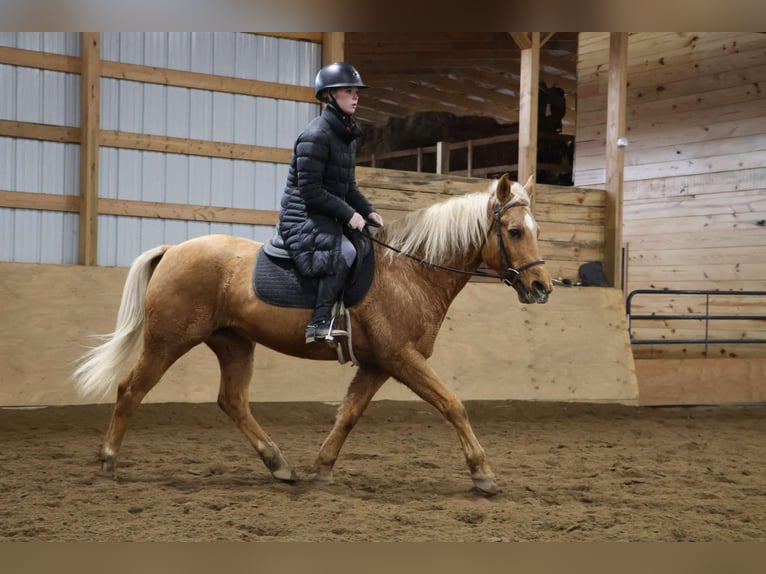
(321, 196)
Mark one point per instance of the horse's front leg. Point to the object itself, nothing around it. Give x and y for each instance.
(363, 387)
(412, 369)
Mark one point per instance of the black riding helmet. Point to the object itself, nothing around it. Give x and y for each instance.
(337, 75)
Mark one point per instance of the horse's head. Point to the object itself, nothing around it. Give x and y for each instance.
(511, 246)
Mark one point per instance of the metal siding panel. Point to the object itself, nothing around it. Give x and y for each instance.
(26, 227)
(110, 46)
(243, 184)
(246, 63)
(8, 39)
(287, 72)
(72, 96)
(266, 56)
(244, 119)
(53, 90)
(199, 180)
(268, 189)
(7, 242)
(177, 179)
(178, 112)
(223, 117)
(152, 233)
(201, 121)
(107, 173)
(131, 47)
(131, 96)
(8, 91)
(202, 52)
(289, 123)
(29, 92)
(51, 237)
(222, 182)
(52, 168)
(262, 233)
(71, 183)
(197, 229)
(8, 163)
(71, 242)
(109, 108)
(220, 228)
(175, 232)
(129, 174)
(107, 240)
(128, 240)
(28, 165)
(246, 231)
(179, 50)
(67, 43)
(266, 122)
(153, 176)
(224, 53)
(30, 41)
(156, 49)
(154, 109)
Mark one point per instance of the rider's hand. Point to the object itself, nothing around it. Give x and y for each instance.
(356, 222)
(376, 218)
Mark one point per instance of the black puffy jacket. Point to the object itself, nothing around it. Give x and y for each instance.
(321, 193)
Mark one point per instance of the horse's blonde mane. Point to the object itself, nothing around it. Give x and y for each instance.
(449, 227)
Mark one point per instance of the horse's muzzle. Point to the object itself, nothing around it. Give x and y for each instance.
(537, 292)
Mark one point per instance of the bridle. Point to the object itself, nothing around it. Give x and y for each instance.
(511, 274)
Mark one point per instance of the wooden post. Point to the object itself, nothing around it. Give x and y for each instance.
(528, 96)
(333, 48)
(89, 147)
(615, 156)
(442, 157)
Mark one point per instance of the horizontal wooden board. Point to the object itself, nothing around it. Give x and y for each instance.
(699, 351)
(702, 257)
(679, 153)
(746, 204)
(701, 381)
(706, 241)
(690, 224)
(675, 187)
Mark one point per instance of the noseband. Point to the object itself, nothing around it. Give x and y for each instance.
(512, 273)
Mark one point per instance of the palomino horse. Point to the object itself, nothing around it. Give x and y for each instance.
(200, 291)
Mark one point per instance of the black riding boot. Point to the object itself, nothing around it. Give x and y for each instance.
(330, 288)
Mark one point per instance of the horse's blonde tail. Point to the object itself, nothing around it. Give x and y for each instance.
(99, 368)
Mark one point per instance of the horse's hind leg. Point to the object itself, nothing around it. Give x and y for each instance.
(360, 392)
(414, 371)
(130, 392)
(235, 356)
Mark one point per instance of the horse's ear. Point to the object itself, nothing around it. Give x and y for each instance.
(503, 189)
(530, 186)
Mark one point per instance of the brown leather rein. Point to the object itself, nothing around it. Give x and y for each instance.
(511, 273)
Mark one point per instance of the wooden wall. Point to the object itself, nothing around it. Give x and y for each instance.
(490, 348)
(695, 173)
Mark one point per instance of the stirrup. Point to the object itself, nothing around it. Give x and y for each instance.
(324, 331)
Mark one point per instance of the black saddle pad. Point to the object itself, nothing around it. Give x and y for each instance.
(277, 282)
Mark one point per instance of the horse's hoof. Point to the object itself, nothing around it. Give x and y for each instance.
(106, 470)
(285, 475)
(323, 480)
(485, 486)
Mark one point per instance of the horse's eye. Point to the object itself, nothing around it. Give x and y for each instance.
(514, 232)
